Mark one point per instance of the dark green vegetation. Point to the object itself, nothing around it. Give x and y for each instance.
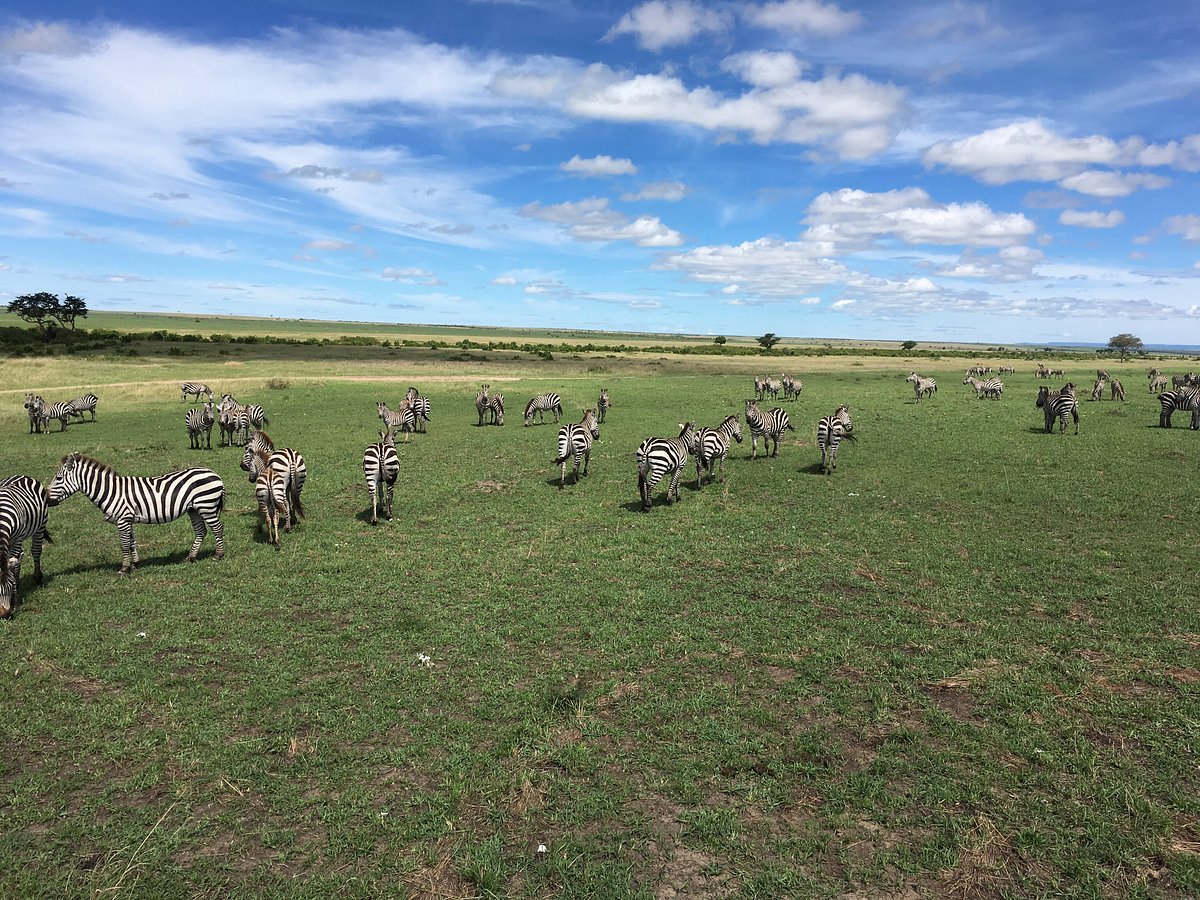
(965, 665)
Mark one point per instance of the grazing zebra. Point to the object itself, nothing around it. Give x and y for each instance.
(81, 405)
(602, 406)
(60, 411)
(1158, 384)
(770, 387)
(1055, 373)
(272, 495)
(976, 370)
(196, 389)
(1118, 389)
(1098, 389)
(769, 426)
(576, 441)
(830, 431)
(496, 409)
(992, 387)
(711, 446)
(657, 457)
(1102, 375)
(128, 499)
(1186, 399)
(402, 417)
(481, 402)
(36, 407)
(1059, 405)
(1188, 380)
(381, 465)
(200, 421)
(22, 516)
(540, 405)
(922, 386)
(288, 465)
(1006, 370)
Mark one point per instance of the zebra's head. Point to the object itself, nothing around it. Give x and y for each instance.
(255, 463)
(1043, 393)
(734, 424)
(66, 480)
(589, 422)
(380, 407)
(411, 394)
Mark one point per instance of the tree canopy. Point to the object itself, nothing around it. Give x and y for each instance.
(908, 345)
(768, 340)
(1125, 344)
(44, 308)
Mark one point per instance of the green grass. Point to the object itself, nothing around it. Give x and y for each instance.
(964, 664)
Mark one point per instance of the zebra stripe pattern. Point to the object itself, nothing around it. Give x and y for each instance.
(36, 407)
(922, 386)
(657, 457)
(992, 387)
(602, 406)
(541, 404)
(381, 465)
(270, 489)
(200, 421)
(128, 499)
(23, 512)
(481, 402)
(421, 409)
(1186, 399)
(84, 404)
(1158, 384)
(830, 431)
(402, 418)
(288, 465)
(196, 389)
(769, 426)
(1061, 405)
(1118, 389)
(229, 420)
(60, 411)
(496, 409)
(770, 386)
(791, 387)
(712, 445)
(576, 441)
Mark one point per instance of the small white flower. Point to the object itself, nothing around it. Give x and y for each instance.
(383, 814)
(141, 634)
(425, 659)
(852, 494)
(541, 850)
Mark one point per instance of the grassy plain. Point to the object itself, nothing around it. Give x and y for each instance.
(967, 664)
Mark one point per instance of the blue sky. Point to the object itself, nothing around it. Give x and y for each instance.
(937, 171)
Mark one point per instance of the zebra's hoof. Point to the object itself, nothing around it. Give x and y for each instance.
(191, 557)
(219, 554)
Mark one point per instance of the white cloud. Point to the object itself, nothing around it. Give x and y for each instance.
(825, 19)
(593, 220)
(1006, 265)
(328, 244)
(406, 274)
(670, 191)
(45, 38)
(598, 167)
(766, 267)
(764, 68)
(1092, 218)
(664, 23)
(504, 281)
(1187, 227)
(1113, 184)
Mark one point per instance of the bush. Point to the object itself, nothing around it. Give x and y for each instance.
(277, 384)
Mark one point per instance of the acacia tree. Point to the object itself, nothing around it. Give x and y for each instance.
(768, 340)
(1125, 344)
(908, 345)
(43, 308)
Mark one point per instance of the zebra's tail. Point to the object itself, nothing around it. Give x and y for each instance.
(46, 536)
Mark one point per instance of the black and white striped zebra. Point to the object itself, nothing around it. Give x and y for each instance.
(922, 386)
(768, 425)
(400, 419)
(287, 463)
(1098, 389)
(1006, 370)
(712, 446)
(481, 403)
(991, 387)
(23, 511)
(1117, 389)
(60, 411)
(791, 387)
(270, 490)
(602, 406)
(576, 441)
(196, 389)
(251, 416)
(658, 457)
(1186, 399)
(35, 406)
(540, 405)
(229, 420)
(381, 465)
(1061, 405)
(830, 432)
(128, 499)
(1158, 384)
(198, 422)
(86, 403)
(496, 409)
(421, 408)
(770, 386)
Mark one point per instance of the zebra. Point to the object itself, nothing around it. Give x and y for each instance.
(711, 445)
(128, 499)
(1154, 372)
(36, 407)
(1102, 375)
(1188, 380)
(1006, 370)
(420, 407)
(1183, 398)
(1055, 373)
(922, 386)
(496, 409)
(481, 402)
(288, 465)
(540, 405)
(381, 465)
(1118, 389)
(576, 441)
(769, 426)
(1059, 405)
(992, 387)
(196, 389)
(976, 370)
(228, 419)
(770, 387)
(23, 511)
(1158, 384)
(791, 387)
(197, 421)
(1098, 389)
(602, 406)
(61, 411)
(251, 415)
(81, 405)
(657, 457)
(402, 417)
(758, 387)
(830, 432)
(271, 492)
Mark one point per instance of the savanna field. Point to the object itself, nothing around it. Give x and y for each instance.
(967, 664)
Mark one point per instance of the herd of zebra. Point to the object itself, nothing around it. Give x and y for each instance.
(40, 412)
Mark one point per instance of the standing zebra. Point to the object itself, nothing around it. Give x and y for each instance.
(1098, 389)
(1059, 405)
(758, 387)
(1118, 389)
(229, 415)
(36, 407)
(791, 387)
(830, 431)
(602, 406)
(22, 516)
(657, 457)
(271, 492)
(381, 465)
(922, 386)
(196, 388)
(541, 404)
(992, 387)
(769, 426)
(771, 387)
(81, 405)
(128, 499)
(481, 402)
(712, 445)
(496, 409)
(1158, 384)
(288, 465)
(1006, 370)
(421, 409)
(402, 418)
(576, 441)
(251, 416)
(61, 411)
(200, 421)
(1186, 399)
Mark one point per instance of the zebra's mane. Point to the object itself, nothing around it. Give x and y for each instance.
(91, 460)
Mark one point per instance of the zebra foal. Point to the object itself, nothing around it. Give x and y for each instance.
(23, 511)
(711, 446)
(381, 465)
(830, 432)
(288, 465)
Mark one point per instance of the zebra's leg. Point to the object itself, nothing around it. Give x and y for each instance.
(391, 488)
(374, 489)
(200, 529)
(36, 546)
(673, 488)
(129, 559)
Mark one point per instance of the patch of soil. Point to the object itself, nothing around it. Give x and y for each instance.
(693, 874)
